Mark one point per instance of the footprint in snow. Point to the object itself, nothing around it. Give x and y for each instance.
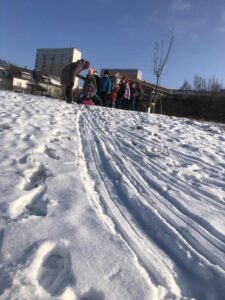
(52, 153)
(38, 206)
(32, 203)
(189, 147)
(23, 159)
(93, 294)
(4, 126)
(25, 137)
(140, 127)
(52, 267)
(35, 177)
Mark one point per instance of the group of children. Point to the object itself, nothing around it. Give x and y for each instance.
(110, 91)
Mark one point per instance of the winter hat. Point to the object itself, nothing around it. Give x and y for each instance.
(90, 87)
(106, 72)
(86, 64)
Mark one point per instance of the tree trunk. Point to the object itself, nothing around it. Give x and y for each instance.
(156, 92)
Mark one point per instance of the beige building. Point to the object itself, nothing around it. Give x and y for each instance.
(32, 82)
(21, 81)
(52, 60)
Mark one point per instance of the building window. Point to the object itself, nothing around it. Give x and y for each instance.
(26, 76)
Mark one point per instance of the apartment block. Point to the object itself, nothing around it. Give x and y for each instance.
(52, 60)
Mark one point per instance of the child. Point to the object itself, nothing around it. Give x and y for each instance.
(125, 101)
(90, 97)
(90, 79)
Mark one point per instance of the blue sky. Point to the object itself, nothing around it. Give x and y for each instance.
(120, 34)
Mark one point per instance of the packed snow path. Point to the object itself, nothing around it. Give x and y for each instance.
(99, 203)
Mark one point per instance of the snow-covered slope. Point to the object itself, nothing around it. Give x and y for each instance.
(99, 203)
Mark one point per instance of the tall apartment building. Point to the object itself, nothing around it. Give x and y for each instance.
(52, 60)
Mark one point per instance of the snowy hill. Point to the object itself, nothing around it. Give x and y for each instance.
(107, 204)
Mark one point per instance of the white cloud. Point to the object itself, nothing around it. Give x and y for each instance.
(181, 5)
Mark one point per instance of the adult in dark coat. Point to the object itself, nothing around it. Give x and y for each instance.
(140, 95)
(133, 96)
(105, 88)
(121, 92)
(68, 75)
(97, 79)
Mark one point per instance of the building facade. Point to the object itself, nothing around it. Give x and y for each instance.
(50, 85)
(5, 79)
(21, 81)
(30, 81)
(52, 60)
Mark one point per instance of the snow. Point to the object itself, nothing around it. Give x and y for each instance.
(98, 203)
(54, 81)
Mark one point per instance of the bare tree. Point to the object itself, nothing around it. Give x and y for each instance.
(159, 62)
(199, 84)
(186, 86)
(214, 85)
(4, 64)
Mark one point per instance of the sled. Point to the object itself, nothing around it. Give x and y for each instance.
(88, 102)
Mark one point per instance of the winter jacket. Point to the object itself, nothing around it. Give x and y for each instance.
(126, 94)
(140, 94)
(97, 78)
(93, 97)
(133, 93)
(70, 71)
(90, 79)
(105, 85)
(121, 90)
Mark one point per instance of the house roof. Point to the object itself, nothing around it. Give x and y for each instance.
(27, 73)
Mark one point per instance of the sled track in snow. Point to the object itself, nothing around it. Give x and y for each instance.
(126, 229)
(144, 180)
(143, 217)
